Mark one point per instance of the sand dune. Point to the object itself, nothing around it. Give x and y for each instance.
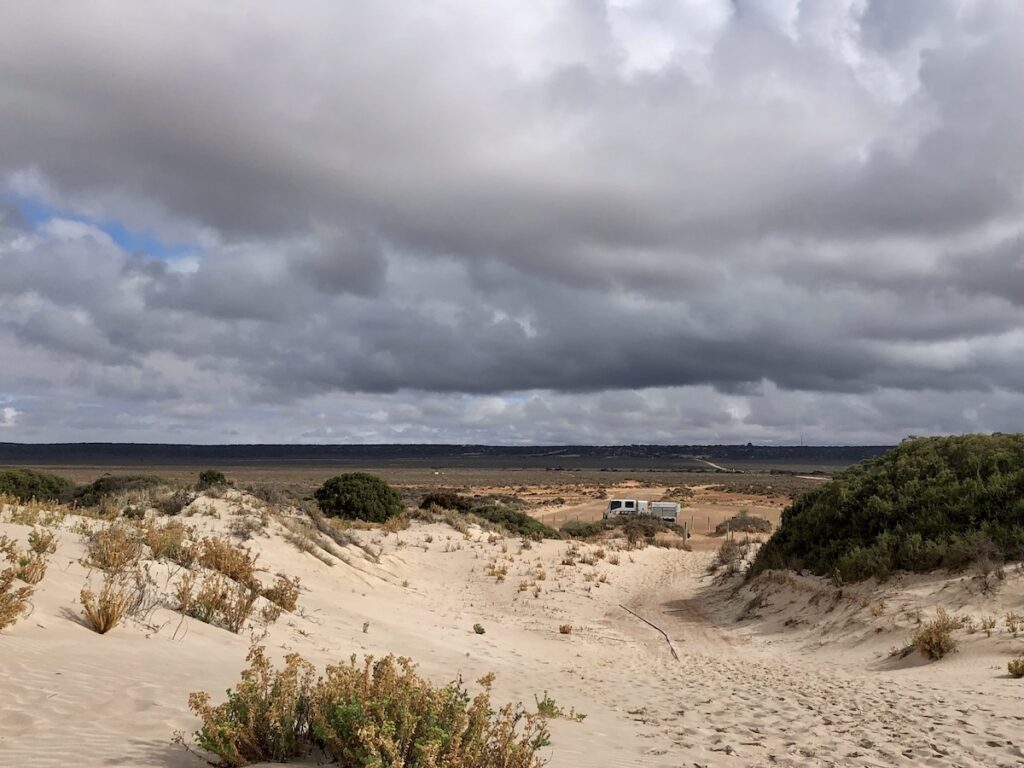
(804, 678)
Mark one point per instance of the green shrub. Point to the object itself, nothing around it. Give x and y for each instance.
(516, 522)
(173, 503)
(210, 478)
(942, 502)
(576, 529)
(446, 500)
(634, 527)
(28, 484)
(358, 496)
(744, 522)
(378, 713)
(105, 487)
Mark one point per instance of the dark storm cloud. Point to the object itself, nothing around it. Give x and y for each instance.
(633, 220)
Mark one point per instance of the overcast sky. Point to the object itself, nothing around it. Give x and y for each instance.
(514, 221)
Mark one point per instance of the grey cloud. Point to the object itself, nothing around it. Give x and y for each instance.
(683, 221)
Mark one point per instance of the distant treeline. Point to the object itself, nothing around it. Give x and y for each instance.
(155, 453)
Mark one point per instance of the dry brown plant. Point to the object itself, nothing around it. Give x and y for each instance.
(114, 548)
(284, 592)
(42, 541)
(104, 611)
(221, 555)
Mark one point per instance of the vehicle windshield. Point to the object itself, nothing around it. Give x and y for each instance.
(615, 505)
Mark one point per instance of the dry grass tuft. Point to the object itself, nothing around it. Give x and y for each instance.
(1016, 667)
(14, 601)
(216, 600)
(169, 540)
(42, 542)
(935, 639)
(31, 568)
(565, 629)
(113, 548)
(284, 592)
(221, 555)
(379, 713)
(104, 611)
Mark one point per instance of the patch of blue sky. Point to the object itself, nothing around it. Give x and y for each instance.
(38, 212)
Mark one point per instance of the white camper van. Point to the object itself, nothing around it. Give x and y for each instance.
(618, 507)
(666, 510)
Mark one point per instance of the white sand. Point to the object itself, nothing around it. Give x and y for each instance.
(804, 680)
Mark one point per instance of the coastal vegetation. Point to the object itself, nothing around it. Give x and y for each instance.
(939, 502)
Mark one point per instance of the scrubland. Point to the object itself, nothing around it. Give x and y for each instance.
(124, 624)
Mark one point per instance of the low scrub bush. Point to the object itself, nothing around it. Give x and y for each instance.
(169, 540)
(576, 529)
(284, 592)
(636, 528)
(446, 500)
(1016, 667)
(14, 600)
(109, 486)
(744, 522)
(359, 496)
(104, 611)
(173, 503)
(42, 542)
(29, 484)
(216, 600)
(210, 478)
(31, 568)
(378, 713)
(235, 562)
(113, 547)
(935, 638)
(515, 522)
(731, 556)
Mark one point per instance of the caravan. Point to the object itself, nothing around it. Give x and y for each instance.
(664, 510)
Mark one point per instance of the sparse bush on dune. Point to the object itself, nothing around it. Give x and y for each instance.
(173, 503)
(169, 540)
(731, 556)
(210, 478)
(42, 542)
(1016, 667)
(235, 562)
(934, 639)
(284, 592)
(446, 500)
(113, 547)
(637, 529)
(106, 488)
(929, 503)
(105, 610)
(378, 713)
(515, 522)
(216, 599)
(743, 522)
(359, 496)
(29, 484)
(31, 568)
(14, 600)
